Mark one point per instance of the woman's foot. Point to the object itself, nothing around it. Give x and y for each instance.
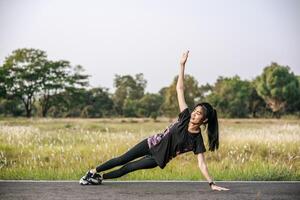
(91, 179)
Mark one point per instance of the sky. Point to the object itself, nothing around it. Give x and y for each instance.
(224, 37)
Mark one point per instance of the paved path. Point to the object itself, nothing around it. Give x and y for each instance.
(161, 190)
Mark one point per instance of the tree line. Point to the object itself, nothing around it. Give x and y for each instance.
(33, 85)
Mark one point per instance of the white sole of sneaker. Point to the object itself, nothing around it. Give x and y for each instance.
(83, 182)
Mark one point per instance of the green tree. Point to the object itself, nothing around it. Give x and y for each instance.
(231, 96)
(68, 103)
(149, 105)
(293, 105)
(98, 103)
(278, 87)
(130, 108)
(21, 75)
(128, 88)
(256, 103)
(79, 102)
(11, 107)
(2, 82)
(57, 76)
(27, 75)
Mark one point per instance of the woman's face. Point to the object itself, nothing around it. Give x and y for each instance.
(198, 115)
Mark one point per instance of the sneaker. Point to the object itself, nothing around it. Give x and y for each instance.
(91, 179)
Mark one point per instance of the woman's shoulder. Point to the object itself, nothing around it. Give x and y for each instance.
(184, 114)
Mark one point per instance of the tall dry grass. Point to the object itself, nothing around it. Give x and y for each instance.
(67, 148)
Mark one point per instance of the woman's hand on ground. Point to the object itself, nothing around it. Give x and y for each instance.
(184, 58)
(215, 187)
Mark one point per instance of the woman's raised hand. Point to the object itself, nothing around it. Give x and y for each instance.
(184, 57)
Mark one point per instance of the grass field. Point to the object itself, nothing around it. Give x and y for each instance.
(65, 149)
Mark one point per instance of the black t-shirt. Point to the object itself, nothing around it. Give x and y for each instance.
(175, 140)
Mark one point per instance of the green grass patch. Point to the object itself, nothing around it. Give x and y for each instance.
(64, 149)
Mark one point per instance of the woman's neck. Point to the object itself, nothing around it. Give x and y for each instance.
(193, 128)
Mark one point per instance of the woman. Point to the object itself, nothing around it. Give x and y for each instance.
(181, 136)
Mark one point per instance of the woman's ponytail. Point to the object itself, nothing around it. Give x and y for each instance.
(213, 131)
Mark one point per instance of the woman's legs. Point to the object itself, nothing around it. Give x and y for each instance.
(139, 150)
(146, 162)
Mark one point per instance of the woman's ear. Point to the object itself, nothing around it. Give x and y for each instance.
(205, 120)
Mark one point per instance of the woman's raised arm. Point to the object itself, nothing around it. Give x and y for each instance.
(180, 82)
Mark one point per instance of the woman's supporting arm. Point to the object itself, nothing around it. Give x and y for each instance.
(203, 167)
(180, 82)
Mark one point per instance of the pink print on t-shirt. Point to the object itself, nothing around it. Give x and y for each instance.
(155, 139)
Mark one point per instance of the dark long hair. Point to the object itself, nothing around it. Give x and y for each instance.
(213, 125)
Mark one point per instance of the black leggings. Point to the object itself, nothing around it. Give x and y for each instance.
(139, 150)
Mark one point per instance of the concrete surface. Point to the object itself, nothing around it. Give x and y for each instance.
(158, 190)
